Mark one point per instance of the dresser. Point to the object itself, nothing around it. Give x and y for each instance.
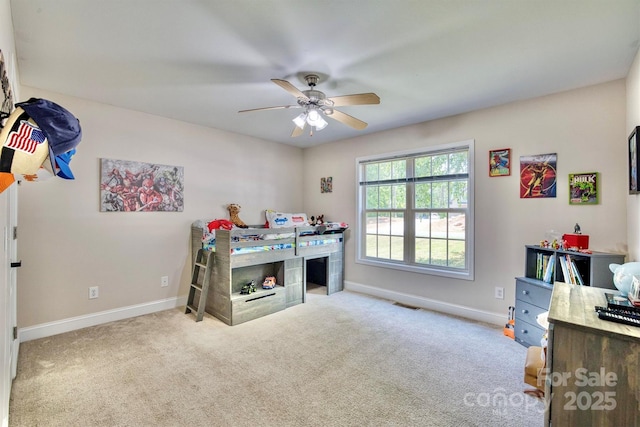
(593, 365)
(533, 291)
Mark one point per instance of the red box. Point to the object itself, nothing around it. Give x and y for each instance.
(580, 241)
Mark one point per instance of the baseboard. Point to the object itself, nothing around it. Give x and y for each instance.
(74, 323)
(430, 304)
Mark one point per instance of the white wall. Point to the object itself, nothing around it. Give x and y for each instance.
(67, 244)
(633, 120)
(585, 127)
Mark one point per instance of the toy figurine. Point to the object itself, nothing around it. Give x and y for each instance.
(576, 229)
(248, 288)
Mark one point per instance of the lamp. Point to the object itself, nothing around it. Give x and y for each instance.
(315, 119)
(312, 117)
(300, 120)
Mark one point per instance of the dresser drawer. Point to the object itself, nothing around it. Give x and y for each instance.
(528, 334)
(261, 303)
(528, 312)
(535, 294)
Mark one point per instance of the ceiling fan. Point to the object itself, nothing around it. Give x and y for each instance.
(315, 105)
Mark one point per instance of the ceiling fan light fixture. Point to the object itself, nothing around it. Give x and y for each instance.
(315, 104)
(320, 123)
(300, 120)
(313, 115)
(315, 119)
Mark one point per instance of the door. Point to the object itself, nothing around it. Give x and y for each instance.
(13, 275)
(8, 319)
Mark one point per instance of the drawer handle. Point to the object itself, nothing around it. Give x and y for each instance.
(524, 331)
(525, 292)
(525, 311)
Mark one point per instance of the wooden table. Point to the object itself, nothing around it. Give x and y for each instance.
(593, 365)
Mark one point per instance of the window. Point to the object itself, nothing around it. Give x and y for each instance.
(415, 210)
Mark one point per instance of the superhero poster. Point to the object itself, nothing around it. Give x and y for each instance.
(127, 186)
(583, 188)
(538, 176)
(500, 162)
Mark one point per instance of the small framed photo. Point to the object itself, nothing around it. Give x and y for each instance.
(326, 185)
(583, 188)
(634, 161)
(500, 162)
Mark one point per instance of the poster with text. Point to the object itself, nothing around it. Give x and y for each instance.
(583, 188)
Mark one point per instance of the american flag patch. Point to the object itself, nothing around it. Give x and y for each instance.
(26, 138)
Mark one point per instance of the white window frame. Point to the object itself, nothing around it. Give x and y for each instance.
(465, 274)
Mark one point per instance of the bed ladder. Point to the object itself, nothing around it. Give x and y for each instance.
(204, 260)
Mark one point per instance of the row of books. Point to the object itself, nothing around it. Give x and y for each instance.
(545, 268)
(570, 271)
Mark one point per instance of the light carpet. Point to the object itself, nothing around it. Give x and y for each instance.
(340, 360)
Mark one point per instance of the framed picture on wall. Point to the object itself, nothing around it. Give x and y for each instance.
(6, 96)
(633, 161)
(131, 186)
(538, 176)
(583, 188)
(500, 162)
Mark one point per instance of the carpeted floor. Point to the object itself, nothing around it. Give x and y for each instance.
(340, 360)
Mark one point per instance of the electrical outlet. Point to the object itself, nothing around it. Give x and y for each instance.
(164, 281)
(499, 292)
(93, 292)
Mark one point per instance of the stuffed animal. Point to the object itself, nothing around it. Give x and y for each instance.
(320, 220)
(217, 224)
(234, 210)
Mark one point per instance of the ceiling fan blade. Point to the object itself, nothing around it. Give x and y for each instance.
(297, 131)
(348, 120)
(270, 108)
(290, 88)
(356, 99)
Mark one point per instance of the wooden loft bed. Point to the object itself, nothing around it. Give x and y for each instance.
(244, 255)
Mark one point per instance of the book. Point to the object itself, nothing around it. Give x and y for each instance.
(576, 273)
(548, 274)
(541, 265)
(571, 270)
(565, 272)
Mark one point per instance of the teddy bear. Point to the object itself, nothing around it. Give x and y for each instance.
(234, 210)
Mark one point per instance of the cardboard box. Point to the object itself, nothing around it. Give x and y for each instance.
(580, 241)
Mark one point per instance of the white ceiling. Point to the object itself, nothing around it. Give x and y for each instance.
(202, 61)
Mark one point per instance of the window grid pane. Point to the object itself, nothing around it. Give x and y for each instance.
(438, 207)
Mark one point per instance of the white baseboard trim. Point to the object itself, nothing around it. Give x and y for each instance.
(429, 304)
(73, 323)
